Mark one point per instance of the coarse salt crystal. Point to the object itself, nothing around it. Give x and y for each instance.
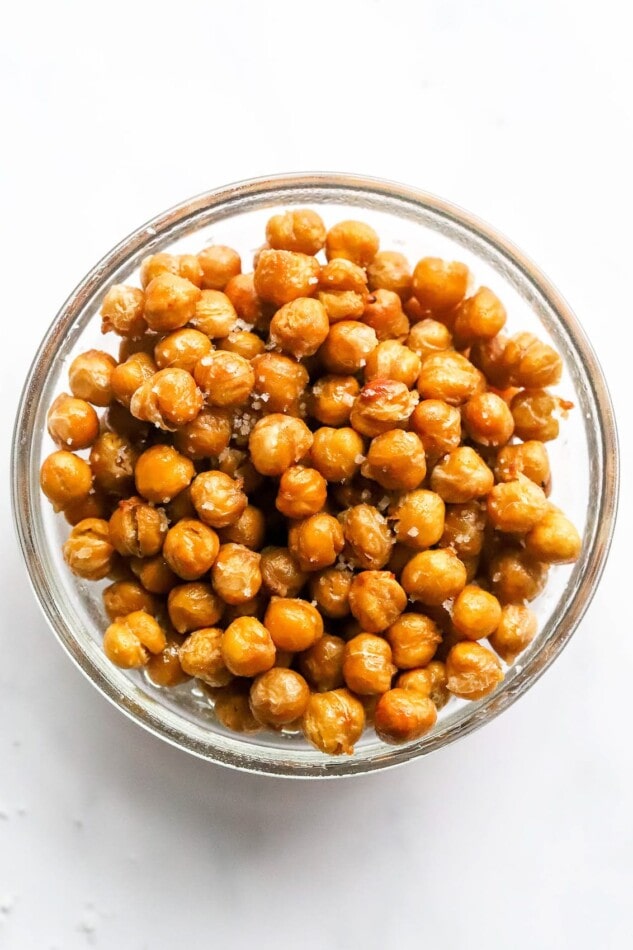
(360, 458)
(347, 399)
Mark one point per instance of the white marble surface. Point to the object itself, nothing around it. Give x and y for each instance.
(520, 836)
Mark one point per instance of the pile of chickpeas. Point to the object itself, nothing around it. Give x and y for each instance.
(320, 487)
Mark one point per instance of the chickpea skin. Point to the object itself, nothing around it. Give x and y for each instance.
(90, 375)
(65, 479)
(236, 575)
(392, 360)
(293, 624)
(302, 492)
(433, 577)
(129, 641)
(281, 573)
(403, 715)
(337, 453)
(162, 473)
(72, 423)
(170, 302)
(461, 476)
(277, 442)
(225, 379)
(330, 589)
(419, 519)
(347, 347)
(137, 529)
(472, 671)
(190, 548)
(218, 499)
(206, 436)
(282, 276)
(439, 285)
(215, 316)
(193, 606)
(300, 229)
(516, 576)
(530, 363)
(488, 420)
(219, 264)
(533, 414)
(88, 552)
(390, 270)
(332, 398)
(554, 539)
(367, 665)
(429, 681)
(182, 349)
(516, 506)
(396, 460)
(322, 663)
(413, 638)
(376, 600)
(279, 697)
(316, 542)
(438, 425)
(122, 311)
(428, 337)
(449, 376)
(333, 721)
(476, 613)
(201, 656)
(169, 399)
(300, 327)
(367, 536)
(353, 240)
(381, 405)
(343, 290)
(124, 597)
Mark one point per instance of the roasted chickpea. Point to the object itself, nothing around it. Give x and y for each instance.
(244, 343)
(479, 317)
(488, 420)
(330, 592)
(128, 376)
(367, 665)
(184, 265)
(487, 355)
(343, 290)
(164, 669)
(119, 420)
(413, 638)
(90, 376)
(432, 577)
(137, 529)
(449, 376)
(332, 398)
(219, 264)
(88, 552)
(65, 479)
(248, 305)
(553, 539)
(282, 276)
(384, 314)
(182, 349)
(113, 460)
(94, 505)
(439, 285)
(376, 600)
(516, 506)
(281, 573)
(247, 647)
(322, 664)
(218, 498)
(124, 597)
(476, 613)
(255, 607)
(201, 656)
(279, 697)
(438, 425)
(533, 414)
(190, 548)
(236, 463)
(170, 302)
(169, 399)
(337, 453)
(72, 423)
(154, 574)
(293, 624)
(333, 721)
(526, 458)
(353, 240)
(316, 542)
(461, 476)
(347, 347)
(279, 381)
(428, 337)
(515, 631)
(464, 526)
(430, 681)
(390, 270)
(381, 405)
(419, 519)
(300, 327)
(193, 606)
(129, 641)
(300, 230)
(214, 316)
(472, 671)
(530, 363)
(162, 473)
(403, 715)
(249, 529)
(277, 442)
(396, 460)
(206, 436)
(236, 574)
(232, 708)
(226, 379)
(302, 492)
(516, 576)
(122, 311)
(367, 537)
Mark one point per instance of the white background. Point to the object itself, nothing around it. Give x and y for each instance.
(520, 836)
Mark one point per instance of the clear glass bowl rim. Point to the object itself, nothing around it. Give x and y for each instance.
(147, 712)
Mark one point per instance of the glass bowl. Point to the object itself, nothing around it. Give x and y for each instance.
(584, 458)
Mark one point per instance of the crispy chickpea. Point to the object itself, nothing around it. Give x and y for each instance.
(390, 270)
(391, 360)
(332, 398)
(396, 460)
(367, 537)
(168, 400)
(113, 460)
(137, 529)
(316, 542)
(515, 631)
(248, 305)
(479, 317)
(333, 721)
(384, 314)
(206, 436)
(516, 576)
(154, 574)
(488, 420)
(461, 476)
(516, 506)
(124, 597)
(244, 343)
(554, 539)
(218, 498)
(72, 423)
(476, 613)
(190, 548)
(184, 265)
(439, 285)
(201, 656)
(337, 453)
(90, 376)
(413, 638)
(300, 327)
(300, 229)
(215, 315)
(247, 647)
(403, 715)
(122, 311)
(419, 519)
(381, 405)
(367, 665)
(464, 526)
(94, 505)
(347, 347)
(282, 276)
(65, 479)
(236, 574)
(236, 463)
(182, 349)
(226, 379)
(432, 577)
(430, 681)
(293, 624)
(279, 381)
(322, 664)
(472, 671)
(533, 414)
(281, 573)
(330, 590)
(530, 363)
(277, 442)
(129, 641)
(438, 425)
(428, 337)
(162, 473)
(487, 355)
(219, 264)
(353, 240)
(164, 668)
(193, 606)
(88, 552)
(129, 375)
(232, 708)
(279, 697)
(119, 420)
(249, 530)
(526, 458)
(343, 290)
(170, 302)
(302, 492)
(449, 376)
(376, 600)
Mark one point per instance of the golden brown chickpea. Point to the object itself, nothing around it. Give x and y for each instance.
(244, 343)
(322, 664)
(526, 458)
(396, 460)
(439, 285)
(137, 529)
(88, 552)
(337, 453)
(154, 574)
(554, 539)
(249, 529)
(403, 715)
(281, 573)
(333, 721)
(381, 405)
(472, 670)
(449, 376)
(438, 425)
(236, 463)
(236, 575)
(479, 317)
(347, 347)
(122, 311)
(432, 577)
(170, 302)
(302, 492)
(277, 442)
(72, 423)
(168, 400)
(367, 665)
(461, 476)
(300, 327)
(182, 349)
(164, 669)
(476, 613)
(299, 230)
(255, 607)
(487, 355)
(516, 576)
(282, 276)
(316, 542)
(329, 590)
(429, 336)
(190, 548)
(419, 519)
(430, 681)
(206, 436)
(232, 708)
(488, 420)
(515, 631)
(193, 606)
(184, 265)
(376, 600)
(248, 305)
(162, 473)
(94, 505)
(279, 381)
(390, 270)
(201, 656)
(118, 419)
(530, 363)
(112, 460)
(516, 506)
(219, 264)
(413, 638)
(464, 526)
(533, 414)
(247, 647)
(279, 697)
(129, 641)
(332, 399)
(384, 314)
(214, 316)
(218, 498)
(391, 360)
(360, 491)
(367, 537)
(90, 376)
(293, 624)
(124, 597)
(343, 290)
(226, 379)
(352, 240)
(129, 375)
